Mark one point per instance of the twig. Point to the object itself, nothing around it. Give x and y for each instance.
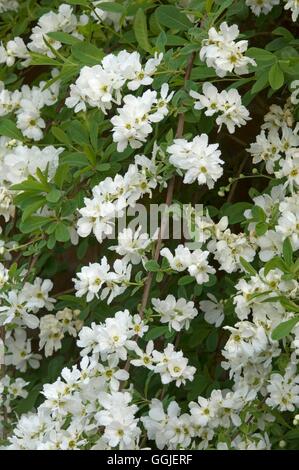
(169, 197)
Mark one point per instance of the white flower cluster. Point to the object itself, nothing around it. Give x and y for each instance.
(292, 5)
(226, 246)
(177, 313)
(98, 276)
(261, 6)
(132, 125)
(27, 103)
(174, 430)
(278, 149)
(64, 21)
(228, 103)
(112, 196)
(223, 53)
(195, 261)
(100, 86)
(133, 245)
(265, 6)
(112, 339)
(295, 94)
(110, 17)
(199, 160)
(10, 389)
(18, 161)
(89, 394)
(54, 327)
(170, 364)
(18, 311)
(19, 306)
(280, 214)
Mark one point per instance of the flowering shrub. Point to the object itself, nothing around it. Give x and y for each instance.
(120, 332)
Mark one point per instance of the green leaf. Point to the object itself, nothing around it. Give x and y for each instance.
(261, 228)
(156, 332)
(289, 305)
(26, 405)
(60, 135)
(152, 265)
(77, 133)
(9, 129)
(32, 208)
(284, 328)
(235, 212)
(185, 280)
(275, 263)
(40, 59)
(75, 159)
(261, 83)
(173, 18)
(54, 195)
(78, 2)
(112, 7)
(261, 56)
(34, 223)
(64, 38)
(276, 77)
(61, 232)
(55, 367)
(140, 30)
(247, 266)
(287, 251)
(68, 72)
(87, 54)
(30, 184)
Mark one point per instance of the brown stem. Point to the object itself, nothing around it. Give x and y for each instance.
(169, 197)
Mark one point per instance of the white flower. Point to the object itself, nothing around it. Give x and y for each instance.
(133, 245)
(199, 267)
(110, 338)
(213, 310)
(91, 279)
(50, 334)
(223, 53)
(30, 122)
(293, 5)
(118, 419)
(19, 352)
(270, 245)
(199, 160)
(7, 208)
(202, 412)
(290, 169)
(17, 310)
(283, 390)
(173, 366)
(15, 49)
(261, 6)
(227, 103)
(295, 93)
(132, 124)
(180, 260)
(64, 20)
(177, 313)
(266, 148)
(38, 294)
(145, 358)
